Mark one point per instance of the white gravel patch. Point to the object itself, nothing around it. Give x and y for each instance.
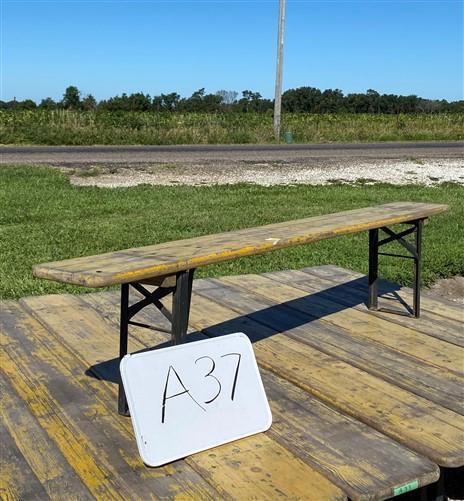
(426, 172)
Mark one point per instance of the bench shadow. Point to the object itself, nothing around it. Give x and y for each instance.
(274, 319)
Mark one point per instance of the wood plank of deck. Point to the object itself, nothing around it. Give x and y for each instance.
(163, 259)
(432, 303)
(96, 443)
(255, 288)
(415, 421)
(348, 342)
(259, 474)
(361, 477)
(17, 479)
(41, 455)
(353, 294)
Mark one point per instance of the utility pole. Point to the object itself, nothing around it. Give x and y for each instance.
(278, 83)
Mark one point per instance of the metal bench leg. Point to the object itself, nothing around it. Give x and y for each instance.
(417, 267)
(182, 294)
(181, 305)
(372, 301)
(123, 409)
(415, 253)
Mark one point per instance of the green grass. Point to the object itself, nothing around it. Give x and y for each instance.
(44, 218)
(65, 127)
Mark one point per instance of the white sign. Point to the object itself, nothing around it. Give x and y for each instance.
(187, 398)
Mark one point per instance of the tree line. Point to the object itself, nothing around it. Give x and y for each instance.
(300, 100)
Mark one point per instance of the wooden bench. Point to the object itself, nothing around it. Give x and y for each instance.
(170, 266)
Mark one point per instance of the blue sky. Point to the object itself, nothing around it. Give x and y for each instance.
(109, 47)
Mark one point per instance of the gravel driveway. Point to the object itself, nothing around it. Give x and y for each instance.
(424, 171)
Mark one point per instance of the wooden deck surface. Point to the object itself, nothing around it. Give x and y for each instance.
(363, 402)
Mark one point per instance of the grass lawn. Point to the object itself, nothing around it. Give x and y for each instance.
(44, 218)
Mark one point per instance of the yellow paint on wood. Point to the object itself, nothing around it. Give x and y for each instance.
(414, 421)
(82, 452)
(433, 303)
(163, 259)
(430, 323)
(401, 338)
(259, 468)
(61, 312)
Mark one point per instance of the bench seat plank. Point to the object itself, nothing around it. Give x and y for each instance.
(170, 257)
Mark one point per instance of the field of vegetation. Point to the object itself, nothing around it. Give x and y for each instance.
(45, 218)
(79, 127)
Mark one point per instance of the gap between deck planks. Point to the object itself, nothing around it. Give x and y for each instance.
(356, 339)
(356, 458)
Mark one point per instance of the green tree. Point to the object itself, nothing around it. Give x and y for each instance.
(27, 104)
(48, 104)
(89, 103)
(71, 98)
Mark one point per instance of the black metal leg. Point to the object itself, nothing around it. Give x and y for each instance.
(181, 305)
(417, 268)
(415, 253)
(182, 294)
(123, 409)
(372, 302)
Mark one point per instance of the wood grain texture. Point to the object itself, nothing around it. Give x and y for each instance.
(163, 259)
(78, 413)
(254, 480)
(349, 408)
(44, 459)
(379, 347)
(365, 463)
(17, 480)
(432, 303)
(414, 421)
(353, 294)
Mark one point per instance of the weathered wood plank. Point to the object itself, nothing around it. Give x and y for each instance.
(366, 463)
(348, 294)
(254, 289)
(258, 467)
(436, 384)
(44, 459)
(360, 460)
(59, 314)
(68, 404)
(146, 262)
(414, 421)
(432, 303)
(17, 480)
